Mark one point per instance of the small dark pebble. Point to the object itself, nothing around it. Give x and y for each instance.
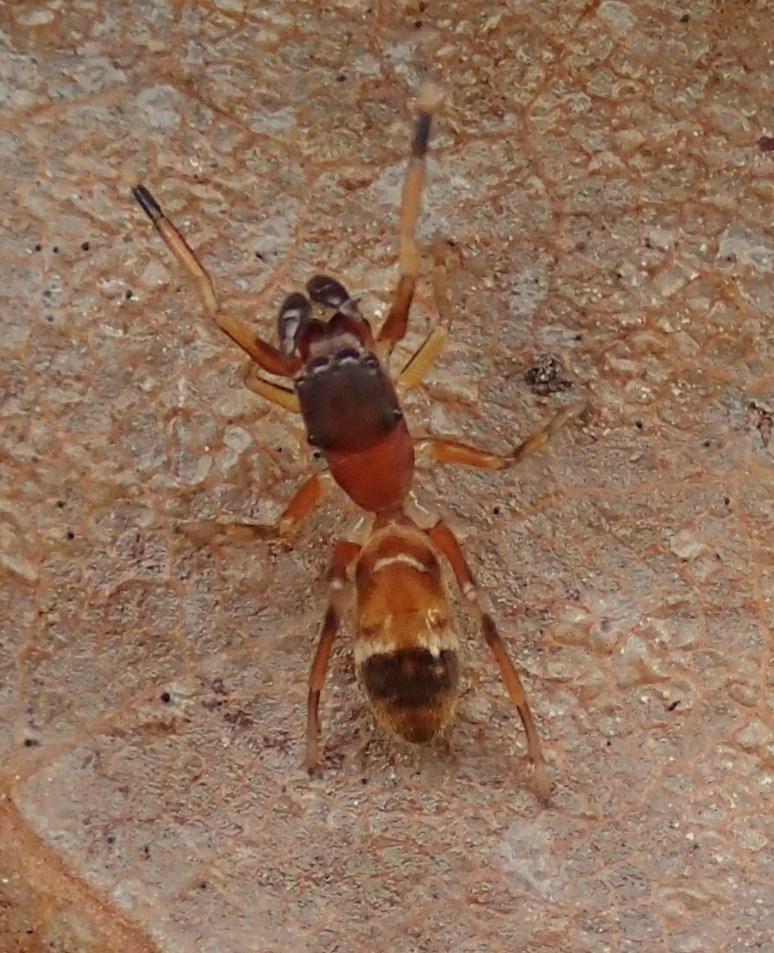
(544, 377)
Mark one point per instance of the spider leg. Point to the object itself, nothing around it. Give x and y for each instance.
(394, 327)
(305, 499)
(263, 353)
(343, 555)
(441, 450)
(447, 543)
(269, 390)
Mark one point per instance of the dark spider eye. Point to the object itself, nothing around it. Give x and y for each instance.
(292, 318)
(347, 354)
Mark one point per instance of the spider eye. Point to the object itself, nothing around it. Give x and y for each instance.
(293, 317)
(347, 355)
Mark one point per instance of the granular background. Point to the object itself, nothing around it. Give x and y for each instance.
(604, 172)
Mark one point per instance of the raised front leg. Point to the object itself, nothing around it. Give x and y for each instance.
(394, 327)
(263, 353)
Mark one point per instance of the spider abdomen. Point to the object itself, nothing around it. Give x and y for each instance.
(406, 648)
(412, 691)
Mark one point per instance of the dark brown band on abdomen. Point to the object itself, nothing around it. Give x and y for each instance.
(412, 690)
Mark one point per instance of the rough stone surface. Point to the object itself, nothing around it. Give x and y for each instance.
(604, 171)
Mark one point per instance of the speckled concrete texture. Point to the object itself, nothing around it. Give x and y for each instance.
(604, 172)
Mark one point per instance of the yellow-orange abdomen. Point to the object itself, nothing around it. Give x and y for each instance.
(405, 649)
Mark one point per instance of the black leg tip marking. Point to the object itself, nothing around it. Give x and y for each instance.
(146, 201)
(421, 135)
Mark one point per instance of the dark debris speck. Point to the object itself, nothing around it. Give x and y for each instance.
(545, 377)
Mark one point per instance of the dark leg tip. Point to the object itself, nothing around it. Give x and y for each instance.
(421, 135)
(146, 201)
